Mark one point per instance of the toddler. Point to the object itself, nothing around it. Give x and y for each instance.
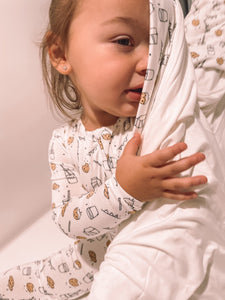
(98, 52)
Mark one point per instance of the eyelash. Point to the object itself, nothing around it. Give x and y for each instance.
(120, 41)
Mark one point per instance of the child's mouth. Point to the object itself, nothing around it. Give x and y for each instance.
(139, 90)
(134, 94)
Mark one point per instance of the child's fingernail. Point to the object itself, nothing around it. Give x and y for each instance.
(136, 135)
(204, 180)
(202, 156)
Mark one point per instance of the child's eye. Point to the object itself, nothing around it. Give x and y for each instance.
(124, 41)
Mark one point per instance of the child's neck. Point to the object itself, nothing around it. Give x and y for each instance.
(91, 124)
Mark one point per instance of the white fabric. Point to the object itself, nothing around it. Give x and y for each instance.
(171, 250)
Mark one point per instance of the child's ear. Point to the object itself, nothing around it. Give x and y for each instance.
(58, 59)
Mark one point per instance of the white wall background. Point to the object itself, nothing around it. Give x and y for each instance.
(26, 122)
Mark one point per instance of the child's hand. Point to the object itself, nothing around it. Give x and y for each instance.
(154, 175)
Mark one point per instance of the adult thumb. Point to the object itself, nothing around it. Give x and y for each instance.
(133, 145)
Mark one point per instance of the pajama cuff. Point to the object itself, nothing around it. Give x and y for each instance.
(127, 198)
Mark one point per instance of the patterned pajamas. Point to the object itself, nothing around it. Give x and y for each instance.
(205, 33)
(65, 275)
(88, 205)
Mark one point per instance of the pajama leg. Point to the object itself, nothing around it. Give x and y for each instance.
(67, 274)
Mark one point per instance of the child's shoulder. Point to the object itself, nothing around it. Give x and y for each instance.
(66, 134)
(63, 145)
(70, 128)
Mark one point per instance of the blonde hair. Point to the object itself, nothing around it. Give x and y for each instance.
(64, 94)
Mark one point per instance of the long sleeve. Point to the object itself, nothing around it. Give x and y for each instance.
(81, 209)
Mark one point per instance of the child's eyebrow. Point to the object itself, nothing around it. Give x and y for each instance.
(125, 20)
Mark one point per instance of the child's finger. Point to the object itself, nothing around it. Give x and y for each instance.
(184, 183)
(180, 196)
(181, 165)
(133, 144)
(161, 157)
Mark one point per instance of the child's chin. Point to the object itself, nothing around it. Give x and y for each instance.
(131, 111)
(132, 114)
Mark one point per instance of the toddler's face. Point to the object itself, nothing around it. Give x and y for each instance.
(108, 52)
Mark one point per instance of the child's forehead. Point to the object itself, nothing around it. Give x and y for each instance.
(116, 10)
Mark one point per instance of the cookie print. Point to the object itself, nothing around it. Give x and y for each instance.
(144, 98)
(86, 168)
(220, 60)
(106, 135)
(89, 195)
(195, 22)
(30, 287)
(100, 144)
(77, 213)
(77, 264)
(64, 209)
(70, 140)
(218, 32)
(53, 166)
(81, 237)
(132, 212)
(55, 186)
(73, 282)
(108, 243)
(11, 283)
(106, 192)
(51, 282)
(93, 256)
(194, 54)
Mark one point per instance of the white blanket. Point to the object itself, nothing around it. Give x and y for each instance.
(171, 250)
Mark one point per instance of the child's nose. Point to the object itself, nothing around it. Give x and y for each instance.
(141, 66)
